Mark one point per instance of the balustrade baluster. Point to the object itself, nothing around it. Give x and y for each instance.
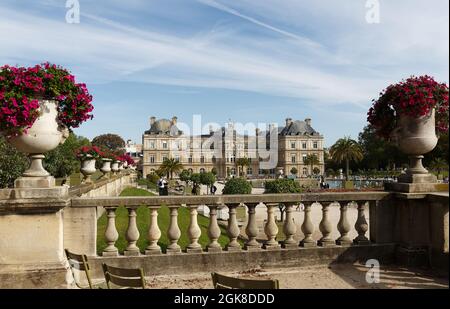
(111, 234)
(361, 226)
(173, 232)
(307, 228)
(194, 231)
(325, 227)
(132, 234)
(343, 226)
(252, 229)
(271, 228)
(233, 230)
(289, 227)
(154, 233)
(213, 230)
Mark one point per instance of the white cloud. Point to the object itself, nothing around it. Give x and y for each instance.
(317, 50)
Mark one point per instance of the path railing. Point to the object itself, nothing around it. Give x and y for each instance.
(271, 230)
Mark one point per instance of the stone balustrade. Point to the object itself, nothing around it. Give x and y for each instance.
(271, 201)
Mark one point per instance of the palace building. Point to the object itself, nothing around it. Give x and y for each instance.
(220, 150)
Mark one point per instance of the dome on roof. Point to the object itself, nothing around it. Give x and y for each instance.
(164, 126)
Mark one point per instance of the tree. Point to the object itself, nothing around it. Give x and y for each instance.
(438, 164)
(282, 185)
(12, 164)
(311, 160)
(294, 171)
(112, 142)
(378, 153)
(241, 163)
(214, 171)
(61, 162)
(330, 172)
(346, 149)
(170, 166)
(316, 171)
(237, 186)
(185, 176)
(207, 179)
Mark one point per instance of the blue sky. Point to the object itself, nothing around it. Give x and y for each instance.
(245, 60)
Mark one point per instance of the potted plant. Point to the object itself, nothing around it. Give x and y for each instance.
(38, 107)
(115, 164)
(88, 155)
(107, 159)
(410, 113)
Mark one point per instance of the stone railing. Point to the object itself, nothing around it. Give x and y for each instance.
(271, 201)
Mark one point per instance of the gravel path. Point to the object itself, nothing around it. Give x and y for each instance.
(338, 276)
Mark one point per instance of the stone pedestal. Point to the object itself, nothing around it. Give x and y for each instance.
(31, 237)
(35, 182)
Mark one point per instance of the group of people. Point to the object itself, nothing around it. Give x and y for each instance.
(163, 186)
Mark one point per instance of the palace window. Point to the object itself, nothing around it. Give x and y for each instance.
(249, 171)
(152, 159)
(304, 145)
(293, 158)
(164, 144)
(315, 145)
(190, 159)
(305, 171)
(293, 145)
(152, 145)
(202, 159)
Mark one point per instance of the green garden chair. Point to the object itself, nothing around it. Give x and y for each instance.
(124, 277)
(224, 282)
(79, 262)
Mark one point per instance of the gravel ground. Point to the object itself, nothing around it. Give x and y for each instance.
(338, 276)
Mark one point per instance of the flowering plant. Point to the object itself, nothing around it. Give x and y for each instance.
(415, 97)
(127, 158)
(20, 89)
(89, 152)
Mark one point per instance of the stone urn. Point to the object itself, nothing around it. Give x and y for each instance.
(106, 167)
(87, 168)
(44, 135)
(416, 136)
(125, 165)
(115, 167)
(120, 166)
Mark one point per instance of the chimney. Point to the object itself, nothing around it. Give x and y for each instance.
(308, 121)
(288, 122)
(152, 120)
(257, 131)
(174, 120)
(211, 129)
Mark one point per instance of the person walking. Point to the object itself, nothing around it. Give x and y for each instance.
(213, 189)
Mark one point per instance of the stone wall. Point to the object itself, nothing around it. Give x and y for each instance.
(80, 224)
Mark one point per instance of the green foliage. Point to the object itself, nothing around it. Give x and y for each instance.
(185, 175)
(241, 162)
(12, 164)
(207, 179)
(214, 171)
(196, 178)
(170, 166)
(237, 186)
(61, 162)
(346, 149)
(330, 172)
(282, 185)
(111, 142)
(294, 171)
(153, 178)
(316, 171)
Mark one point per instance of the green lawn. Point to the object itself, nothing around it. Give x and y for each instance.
(143, 215)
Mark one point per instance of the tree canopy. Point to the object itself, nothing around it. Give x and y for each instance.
(111, 142)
